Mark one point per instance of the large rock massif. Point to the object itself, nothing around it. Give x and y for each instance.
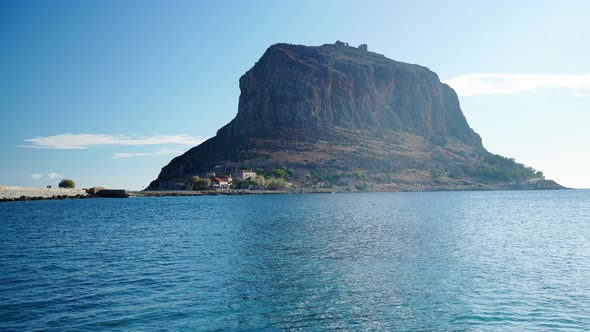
(346, 117)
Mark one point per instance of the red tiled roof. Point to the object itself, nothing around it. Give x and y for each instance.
(218, 180)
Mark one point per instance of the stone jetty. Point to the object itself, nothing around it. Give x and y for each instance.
(13, 193)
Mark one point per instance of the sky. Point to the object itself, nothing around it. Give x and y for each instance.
(107, 92)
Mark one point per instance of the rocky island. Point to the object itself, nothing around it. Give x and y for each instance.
(338, 116)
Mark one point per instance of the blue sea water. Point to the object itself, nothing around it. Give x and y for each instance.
(440, 261)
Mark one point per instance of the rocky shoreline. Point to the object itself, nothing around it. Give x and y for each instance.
(162, 193)
(13, 193)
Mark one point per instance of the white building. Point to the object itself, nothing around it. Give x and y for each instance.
(244, 174)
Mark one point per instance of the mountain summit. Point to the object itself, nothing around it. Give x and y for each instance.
(338, 114)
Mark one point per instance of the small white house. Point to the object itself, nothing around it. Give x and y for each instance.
(244, 174)
(219, 183)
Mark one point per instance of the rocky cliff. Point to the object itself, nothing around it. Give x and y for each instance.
(339, 113)
(302, 87)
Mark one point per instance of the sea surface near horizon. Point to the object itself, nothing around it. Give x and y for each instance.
(437, 261)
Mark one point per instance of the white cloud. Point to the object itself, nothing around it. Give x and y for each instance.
(582, 95)
(83, 141)
(54, 175)
(50, 175)
(491, 84)
(119, 155)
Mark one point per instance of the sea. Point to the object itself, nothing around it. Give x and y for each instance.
(426, 261)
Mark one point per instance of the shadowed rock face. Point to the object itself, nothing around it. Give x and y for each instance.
(336, 110)
(303, 87)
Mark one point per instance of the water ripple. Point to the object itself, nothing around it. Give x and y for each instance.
(398, 261)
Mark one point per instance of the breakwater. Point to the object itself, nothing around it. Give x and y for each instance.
(13, 193)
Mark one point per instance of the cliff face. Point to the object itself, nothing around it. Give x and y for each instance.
(302, 87)
(335, 110)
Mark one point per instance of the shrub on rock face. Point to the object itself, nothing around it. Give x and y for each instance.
(67, 183)
(278, 173)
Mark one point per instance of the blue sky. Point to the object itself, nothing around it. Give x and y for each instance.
(107, 92)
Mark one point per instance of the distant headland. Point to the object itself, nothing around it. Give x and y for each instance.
(345, 118)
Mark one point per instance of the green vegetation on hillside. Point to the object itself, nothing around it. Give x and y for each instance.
(498, 169)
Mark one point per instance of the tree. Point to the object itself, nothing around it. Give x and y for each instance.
(197, 183)
(190, 183)
(276, 184)
(259, 181)
(240, 183)
(202, 184)
(67, 183)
